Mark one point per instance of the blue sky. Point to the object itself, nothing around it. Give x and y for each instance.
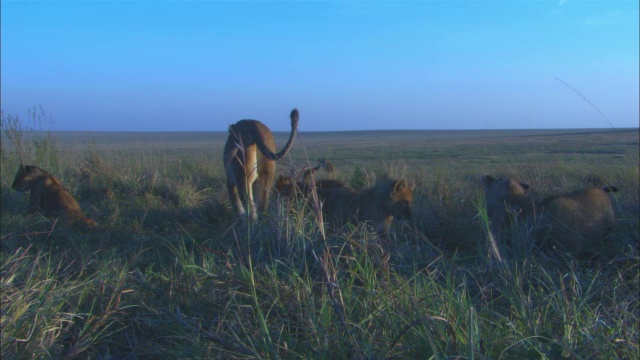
(346, 65)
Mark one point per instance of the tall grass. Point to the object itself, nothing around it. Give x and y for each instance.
(169, 275)
(29, 139)
(49, 310)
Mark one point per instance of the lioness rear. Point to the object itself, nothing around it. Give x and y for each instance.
(378, 205)
(46, 194)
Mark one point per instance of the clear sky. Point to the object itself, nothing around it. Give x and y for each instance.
(346, 65)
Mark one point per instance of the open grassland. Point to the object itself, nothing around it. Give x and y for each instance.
(168, 274)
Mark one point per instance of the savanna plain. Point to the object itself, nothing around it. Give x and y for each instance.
(168, 273)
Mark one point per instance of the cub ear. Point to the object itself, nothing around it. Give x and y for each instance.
(525, 186)
(21, 166)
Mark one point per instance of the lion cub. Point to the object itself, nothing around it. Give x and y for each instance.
(378, 205)
(570, 222)
(289, 188)
(47, 194)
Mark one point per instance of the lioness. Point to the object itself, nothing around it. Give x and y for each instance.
(378, 205)
(47, 194)
(570, 222)
(250, 163)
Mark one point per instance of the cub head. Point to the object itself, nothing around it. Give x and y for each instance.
(25, 177)
(502, 193)
(285, 185)
(326, 165)
(399, 199)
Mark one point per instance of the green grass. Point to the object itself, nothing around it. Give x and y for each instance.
(169, 275)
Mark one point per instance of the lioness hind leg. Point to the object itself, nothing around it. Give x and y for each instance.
(234, 197)
(246, 203)
(249, 203)
(262, 189)
(266, 171)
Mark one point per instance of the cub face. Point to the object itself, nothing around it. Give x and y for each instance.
(502, 193)
(285, 186)
(400, 199)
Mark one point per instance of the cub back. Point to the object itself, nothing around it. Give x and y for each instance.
(573, 221)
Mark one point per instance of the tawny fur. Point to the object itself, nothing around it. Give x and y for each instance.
(288, 188)
(569, 222)
(46, 194)
(504, 196)
(309, 171)
(250, 164)
(378, 205)
(326, 165)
